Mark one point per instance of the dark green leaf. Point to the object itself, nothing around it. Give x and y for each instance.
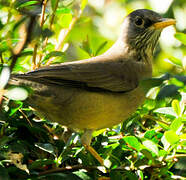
(100, 48)
(53, 4)
(168, 91)
(28, 3)
(52, 54)
(60, 176)
(4, 173)
(46, 33)
(46, 147)
(40, 163)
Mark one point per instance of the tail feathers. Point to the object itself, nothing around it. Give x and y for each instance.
(23, 80)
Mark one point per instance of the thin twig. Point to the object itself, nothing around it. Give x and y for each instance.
(1, 58)
(34, 56)
(65, 34)
(42, 20)
(51, 21)
(43, 12)
(26, 39)
(176, 156)
(25, 117)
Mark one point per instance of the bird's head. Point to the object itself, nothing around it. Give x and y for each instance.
(141, 29)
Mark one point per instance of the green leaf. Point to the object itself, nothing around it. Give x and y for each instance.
(151, 146)
(176, 124)
(53, 4)
(150, 134)
(147, 154)
(176, 107)
(100, 48)
(171, 137)
(52, 54)
(177, 82)
(27, 52)
(166, 110)
(82, 175)
(14, 110)
(150, 104)
(28, 3)
(181, 37)
(46, 147)
(65, 20)
(175, 61)
(140, 173)
(133, 141)
(168, 91)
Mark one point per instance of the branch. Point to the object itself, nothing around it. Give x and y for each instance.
(22, 44)
(69, 168)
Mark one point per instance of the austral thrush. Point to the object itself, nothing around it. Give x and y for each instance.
(102, 91)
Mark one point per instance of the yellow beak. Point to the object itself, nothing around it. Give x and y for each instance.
(164, 23)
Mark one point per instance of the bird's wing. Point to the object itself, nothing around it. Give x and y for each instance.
(118, 75)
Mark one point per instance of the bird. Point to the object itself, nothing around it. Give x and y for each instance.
(102, 91)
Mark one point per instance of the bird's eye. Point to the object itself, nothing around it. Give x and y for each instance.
(139, 21)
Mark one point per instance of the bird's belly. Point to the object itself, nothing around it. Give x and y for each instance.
(93, 110)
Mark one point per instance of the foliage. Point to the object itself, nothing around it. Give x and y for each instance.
(151, 144)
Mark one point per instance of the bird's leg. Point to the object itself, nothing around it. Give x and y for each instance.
(86, 140)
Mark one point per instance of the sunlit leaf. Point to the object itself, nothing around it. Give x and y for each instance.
(181, 37)
(171, 137)
(176, 106)
(83, 4)
(166, 110)
(174, 61)
(176, 124)
(4, 76)
(65, 20)
(151, 146)
(17, 93)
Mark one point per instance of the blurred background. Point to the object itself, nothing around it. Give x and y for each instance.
(84, 28)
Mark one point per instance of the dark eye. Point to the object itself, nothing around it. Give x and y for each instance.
(139, 21)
